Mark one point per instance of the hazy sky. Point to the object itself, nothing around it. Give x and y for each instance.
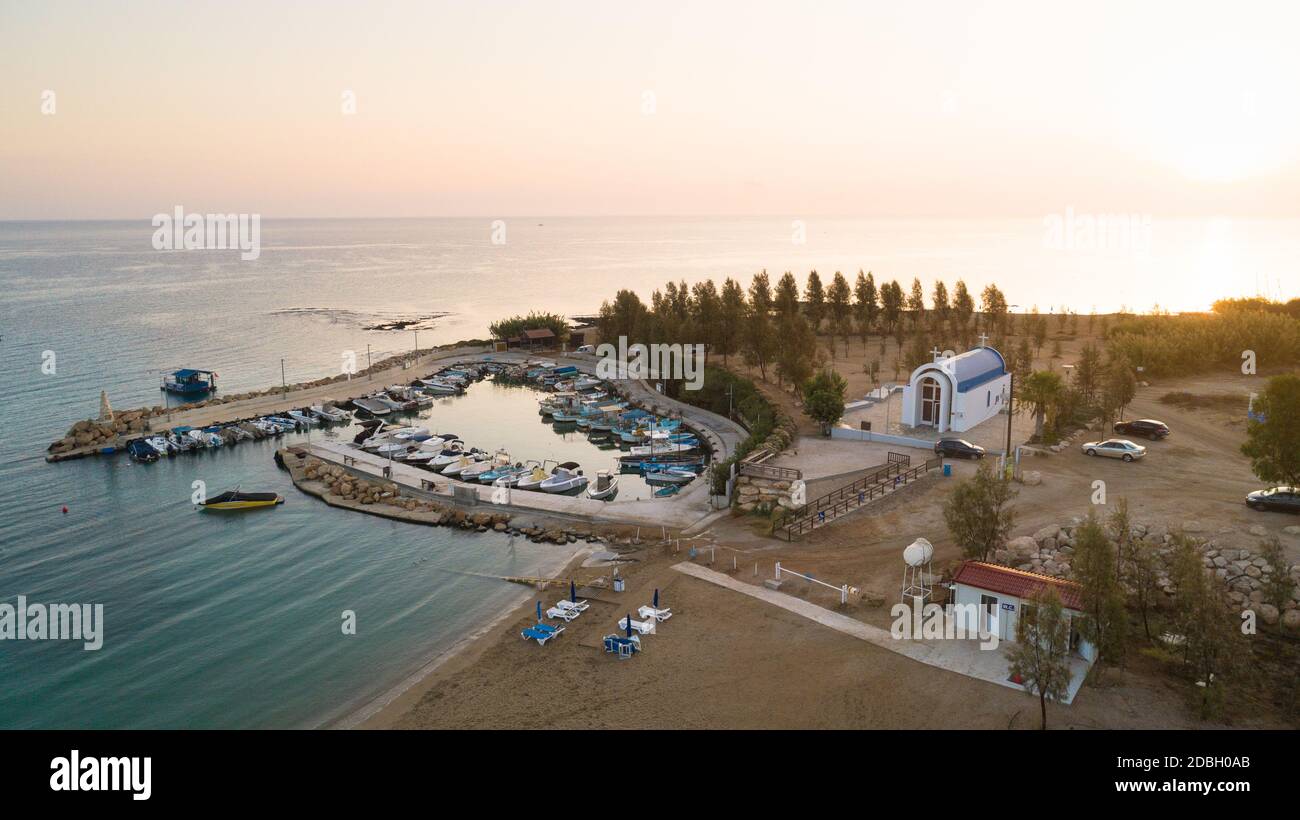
(550, 108)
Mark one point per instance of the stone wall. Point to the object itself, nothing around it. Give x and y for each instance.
(753, 492)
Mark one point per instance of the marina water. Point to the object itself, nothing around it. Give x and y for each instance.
(235, 621)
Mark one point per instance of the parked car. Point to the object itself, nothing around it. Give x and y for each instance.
(958, 448)
(1120, 448)
(1149, 428)
(1283, 499)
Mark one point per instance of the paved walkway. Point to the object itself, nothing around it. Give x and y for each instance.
(961, 656)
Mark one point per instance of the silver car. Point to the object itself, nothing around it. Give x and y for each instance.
(1120, 448)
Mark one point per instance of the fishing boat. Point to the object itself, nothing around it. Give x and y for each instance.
(141, 451)
(533, 480)
(670, 489)
(235, 500)
(669, 475)
(438, 387)
(506, 471)
(328, 412)
(586, 383)
(663, 448)
(161, 445)
(563, 479)
(190, 382)
(605, 488)
(372, 407)
(303, 418)
(181, 440)
(460, 463)
(514, 476)
(661, 458)
(500, 460)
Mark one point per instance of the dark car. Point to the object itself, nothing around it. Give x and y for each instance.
(1149, 428)
(1283, 499)
(958, 448)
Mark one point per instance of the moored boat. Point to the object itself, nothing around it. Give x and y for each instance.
(235, 500)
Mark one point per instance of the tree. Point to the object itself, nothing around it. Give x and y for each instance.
(866, 307)
(816, 299)
(1211, 643)
(731, 318)
(759, 343)
(994, 305)
(1273, 436)
(963, 304)
(1094, 566)
(891, 304)
(1024, 365)
(1038, 658)
(796, 354)
(706, 315)
(1040, 334)
(1278, 587)
(626, 316)
(1119, 388)
(916, 303)
(1087, 372)
(823, 397)
(1142, 575)
(940, 300)
(1042, 389)
(838, 296)
(977, 512)
(1120, 528)
(787, 296)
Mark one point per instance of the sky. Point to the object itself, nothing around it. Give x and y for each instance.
(483, 108)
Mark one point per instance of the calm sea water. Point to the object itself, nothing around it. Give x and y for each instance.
(234, 621)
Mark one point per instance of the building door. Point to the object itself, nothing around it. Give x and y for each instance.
(989, 614)
(931, 394)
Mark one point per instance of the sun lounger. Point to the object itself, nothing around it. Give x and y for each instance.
(554, 630)
(532, 633)
(623, 647)
(562, 614)
(659, 615)
(642, 627)
(581, 606)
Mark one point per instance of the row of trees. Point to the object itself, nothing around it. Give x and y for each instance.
(512, 326)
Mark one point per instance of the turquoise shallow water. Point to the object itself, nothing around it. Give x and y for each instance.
(232, 622)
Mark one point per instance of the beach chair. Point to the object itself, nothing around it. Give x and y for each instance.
(562, 614)
(659, 615)
(641, 627)
(553, 630)
(580, 606)
(532, 633)
(623, 647)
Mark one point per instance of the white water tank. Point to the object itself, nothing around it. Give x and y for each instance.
(918, 552)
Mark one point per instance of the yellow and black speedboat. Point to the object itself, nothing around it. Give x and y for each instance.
(235, 500)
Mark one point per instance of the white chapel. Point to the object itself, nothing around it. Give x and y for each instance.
(956, 393)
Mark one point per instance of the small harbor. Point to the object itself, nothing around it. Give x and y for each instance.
(538, 436)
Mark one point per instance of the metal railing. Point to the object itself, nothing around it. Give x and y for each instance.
(863, 495)
(894, 463)
(752, 465)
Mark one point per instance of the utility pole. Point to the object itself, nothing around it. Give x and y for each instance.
(284, 385)
(1011, 398)
(417, 348)
(370, 374)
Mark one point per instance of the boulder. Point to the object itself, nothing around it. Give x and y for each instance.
(1047, 532)
(1023, 545)
(1193, 526)
(1291, 620)
(1258, 530)
(1268, 613)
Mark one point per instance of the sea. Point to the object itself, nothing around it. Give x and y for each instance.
(236, 621)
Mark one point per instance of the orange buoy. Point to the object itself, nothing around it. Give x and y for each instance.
(65, 509)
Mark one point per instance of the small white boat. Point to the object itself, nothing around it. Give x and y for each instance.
(438, 387)
(586, 383)
(372, 406)
(303, 418)
(385, 400)
(605, 487)
(328, 412)
(163, 445)
(533, 480)
(499, 461)
(564, 479)
(465, 460)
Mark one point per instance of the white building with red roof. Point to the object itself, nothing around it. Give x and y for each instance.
(1002, 595)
